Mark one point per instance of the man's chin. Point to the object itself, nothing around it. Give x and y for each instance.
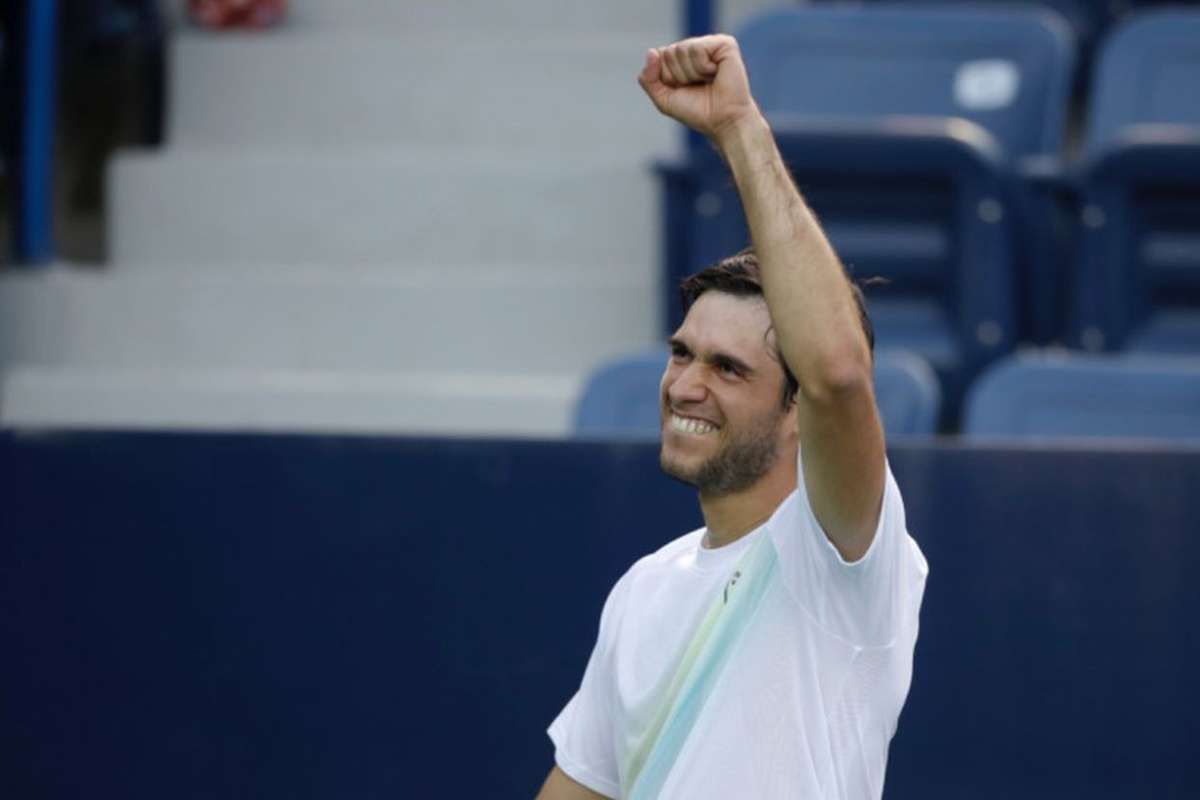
(676, 468)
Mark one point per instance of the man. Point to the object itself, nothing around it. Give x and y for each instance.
(768, 654)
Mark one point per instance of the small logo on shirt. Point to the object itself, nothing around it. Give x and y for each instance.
(732, 582)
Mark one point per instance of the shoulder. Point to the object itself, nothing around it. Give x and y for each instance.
(870, 601)
(671, 556)
(890, 525)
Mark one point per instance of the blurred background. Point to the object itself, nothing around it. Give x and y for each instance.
(330, 339)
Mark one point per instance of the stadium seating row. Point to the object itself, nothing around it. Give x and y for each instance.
(932, 142)
(1042, 395)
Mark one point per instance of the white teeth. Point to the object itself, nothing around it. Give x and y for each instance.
(688, 425)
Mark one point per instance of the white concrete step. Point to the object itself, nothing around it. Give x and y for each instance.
(312, 401)
(663, 19)
(547, 96)
(502, 320)
(659, 17)
(186, 207)
(500, 16)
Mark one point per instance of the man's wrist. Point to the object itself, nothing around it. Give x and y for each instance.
(742, 135)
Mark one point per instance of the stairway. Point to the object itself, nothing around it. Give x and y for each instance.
(384, 216)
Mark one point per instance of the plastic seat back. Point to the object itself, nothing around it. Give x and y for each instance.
(1148, 72)
(1137, 281)
(1006, 69)
(907, 392)
(621, 399)
(1087, 396)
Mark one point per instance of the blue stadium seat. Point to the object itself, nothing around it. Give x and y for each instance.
(1000, 68)
(621, 399)
(1087, 18)
(1137, 271)
(1124, 396)
(903, 127)
(907, 392)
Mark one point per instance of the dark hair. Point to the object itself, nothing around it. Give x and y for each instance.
(739, 275)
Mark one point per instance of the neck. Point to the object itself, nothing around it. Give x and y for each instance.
(732, 516)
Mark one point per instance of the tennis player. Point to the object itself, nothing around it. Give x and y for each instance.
(767, 654)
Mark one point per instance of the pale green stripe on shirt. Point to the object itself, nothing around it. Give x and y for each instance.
(696, 674)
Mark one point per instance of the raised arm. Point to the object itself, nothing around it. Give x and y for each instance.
(702, 83)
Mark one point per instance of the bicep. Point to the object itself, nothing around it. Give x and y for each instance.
(842, 446)
(560, 786)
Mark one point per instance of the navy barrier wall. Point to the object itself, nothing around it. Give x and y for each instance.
(196, 616)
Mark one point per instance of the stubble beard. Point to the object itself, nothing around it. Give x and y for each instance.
(736, 466)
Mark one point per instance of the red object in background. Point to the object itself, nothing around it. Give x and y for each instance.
(237, 13)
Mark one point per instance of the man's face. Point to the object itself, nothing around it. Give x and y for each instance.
(723, 422)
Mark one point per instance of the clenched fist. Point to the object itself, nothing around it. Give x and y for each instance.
(702, 83)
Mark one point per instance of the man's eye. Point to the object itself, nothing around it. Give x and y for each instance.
(726, 368)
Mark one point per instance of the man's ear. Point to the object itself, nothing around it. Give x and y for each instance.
(793, 416)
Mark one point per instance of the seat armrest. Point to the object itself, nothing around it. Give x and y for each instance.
(893, 146)
(1166, 154)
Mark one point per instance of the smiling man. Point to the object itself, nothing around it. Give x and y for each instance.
(767, 654)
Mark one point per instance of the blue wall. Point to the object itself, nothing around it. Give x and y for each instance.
(255, 616)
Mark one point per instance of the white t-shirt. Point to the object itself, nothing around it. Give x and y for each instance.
(808, 701)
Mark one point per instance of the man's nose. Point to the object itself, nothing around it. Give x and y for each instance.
(687, 386)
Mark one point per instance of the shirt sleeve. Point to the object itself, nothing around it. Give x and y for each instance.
(869, 602)
(583, 732)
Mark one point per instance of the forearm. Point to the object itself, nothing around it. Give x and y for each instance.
(815, 317)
